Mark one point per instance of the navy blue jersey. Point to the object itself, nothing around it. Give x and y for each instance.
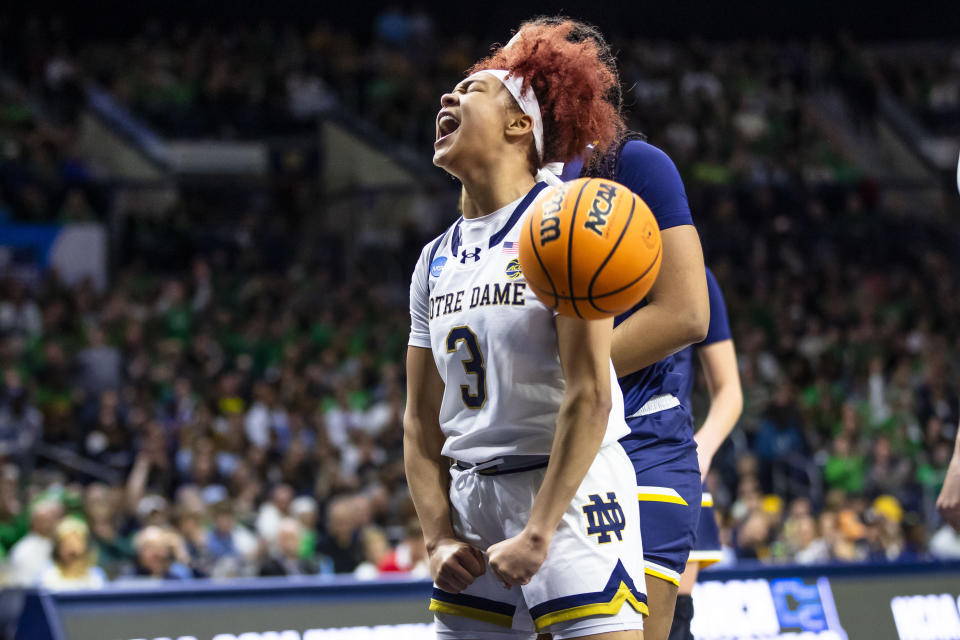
(718, 332)
(649, 172)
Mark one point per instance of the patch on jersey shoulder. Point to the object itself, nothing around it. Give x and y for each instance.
(513, 269)
(437, 266)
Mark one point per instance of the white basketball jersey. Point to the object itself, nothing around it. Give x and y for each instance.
(494, 342)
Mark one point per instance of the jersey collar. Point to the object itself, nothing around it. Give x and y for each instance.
(498, 237)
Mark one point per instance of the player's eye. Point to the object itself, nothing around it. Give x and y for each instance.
(469, 87)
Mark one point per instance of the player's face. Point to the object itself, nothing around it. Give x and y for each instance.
(471, 123)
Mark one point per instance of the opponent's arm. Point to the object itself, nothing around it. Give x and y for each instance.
(453, 563)
(948, 503)
(678, 310)
(584, 347)
(719, 362)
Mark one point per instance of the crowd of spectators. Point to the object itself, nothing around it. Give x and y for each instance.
(253, 425)
(250, 419)
(235, 410)
(727, 111)
(848, 350)
(43, 174)
(925, 78)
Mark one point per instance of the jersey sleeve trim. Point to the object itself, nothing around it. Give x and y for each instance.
(420, 297)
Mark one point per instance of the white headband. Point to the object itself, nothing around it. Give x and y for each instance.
(529, 105)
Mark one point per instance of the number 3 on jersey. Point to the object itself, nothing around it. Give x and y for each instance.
(473, 365)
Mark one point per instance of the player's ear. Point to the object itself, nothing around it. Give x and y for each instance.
(519, 125)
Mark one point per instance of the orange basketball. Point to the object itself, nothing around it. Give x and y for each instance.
(590, 248)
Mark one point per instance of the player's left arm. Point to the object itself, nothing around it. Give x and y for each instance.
(584, 347)
(719, 362)
(948, 503)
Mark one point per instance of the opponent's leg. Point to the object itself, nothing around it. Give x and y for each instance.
(669, 501)
(683, 612)
(689, 578)
(706, 551)
(661, 598)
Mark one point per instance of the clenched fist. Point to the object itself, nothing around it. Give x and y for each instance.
(454, 565)
(516, 559)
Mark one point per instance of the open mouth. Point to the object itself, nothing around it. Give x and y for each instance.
(446, 125)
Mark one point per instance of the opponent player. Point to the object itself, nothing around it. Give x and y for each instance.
(719, 361)
(674, 315)
(523, 401)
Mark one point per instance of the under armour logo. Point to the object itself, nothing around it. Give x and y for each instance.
(475, 255)
(604, 518)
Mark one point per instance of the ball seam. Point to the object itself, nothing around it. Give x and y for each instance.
(543, 267)
(623, 232)
(573, 222)
(624, 287)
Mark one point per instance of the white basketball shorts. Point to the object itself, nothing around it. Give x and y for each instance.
(592, 580)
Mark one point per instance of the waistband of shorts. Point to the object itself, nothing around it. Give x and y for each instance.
(656, 404)
(509, 464)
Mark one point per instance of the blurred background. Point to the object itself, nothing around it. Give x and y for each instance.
(209, 216)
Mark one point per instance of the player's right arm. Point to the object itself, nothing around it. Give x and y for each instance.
(453, 563)
(948, 504)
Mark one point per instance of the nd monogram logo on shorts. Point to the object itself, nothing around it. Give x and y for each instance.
(604, 518)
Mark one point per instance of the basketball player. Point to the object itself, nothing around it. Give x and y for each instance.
(719, 361)
(674, 315)
(535, 526)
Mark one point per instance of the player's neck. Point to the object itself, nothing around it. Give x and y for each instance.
(484, 194)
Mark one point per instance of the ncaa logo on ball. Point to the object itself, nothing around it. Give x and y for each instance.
(437, 266)
(602, 206)
(513, 269)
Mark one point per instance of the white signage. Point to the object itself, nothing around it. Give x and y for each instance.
(931, 617)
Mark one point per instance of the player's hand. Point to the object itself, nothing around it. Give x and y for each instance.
(515, 560)
(948, 504)
(454, 565)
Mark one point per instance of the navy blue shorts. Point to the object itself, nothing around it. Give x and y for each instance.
(706, 545)
(669, 495)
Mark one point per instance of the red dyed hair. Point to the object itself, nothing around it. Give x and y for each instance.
(571, 81)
